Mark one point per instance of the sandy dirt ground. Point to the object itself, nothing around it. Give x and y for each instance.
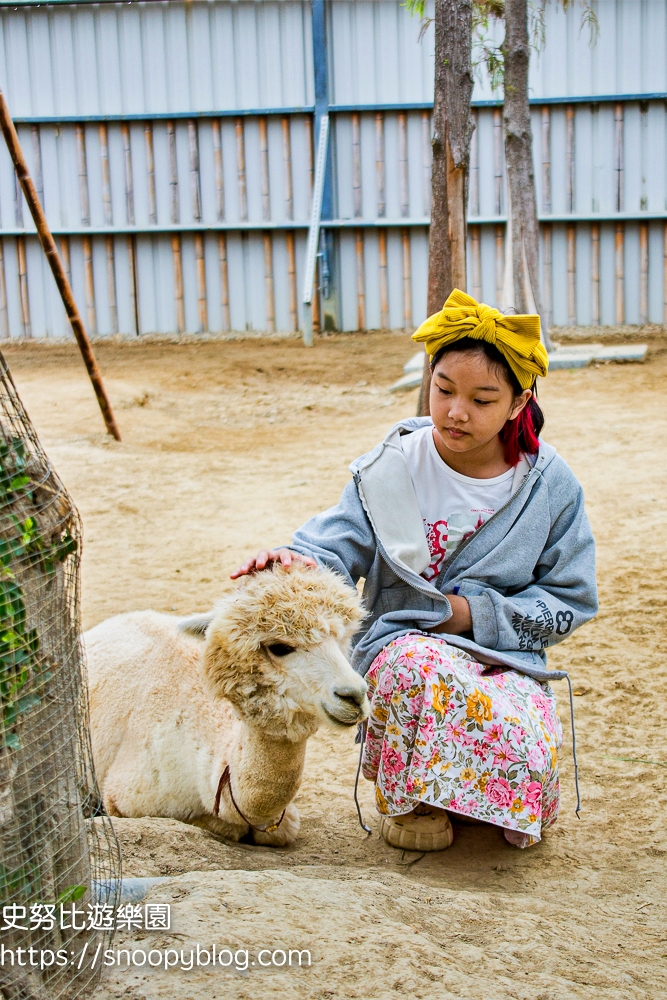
(230, 445)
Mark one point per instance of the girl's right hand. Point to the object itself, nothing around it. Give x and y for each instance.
(266, 557)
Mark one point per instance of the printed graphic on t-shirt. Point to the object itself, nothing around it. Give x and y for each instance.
(445, 536)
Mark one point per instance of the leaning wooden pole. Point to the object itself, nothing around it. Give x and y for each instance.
(55, 263)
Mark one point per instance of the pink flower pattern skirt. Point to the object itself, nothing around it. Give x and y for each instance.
(475, 740)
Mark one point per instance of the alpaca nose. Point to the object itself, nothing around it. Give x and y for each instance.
(351, 694)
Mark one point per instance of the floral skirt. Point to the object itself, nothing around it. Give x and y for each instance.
(451, 732)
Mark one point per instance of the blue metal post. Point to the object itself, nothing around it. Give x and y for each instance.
(329, 270)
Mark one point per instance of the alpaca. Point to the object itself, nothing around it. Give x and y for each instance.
(205, 719)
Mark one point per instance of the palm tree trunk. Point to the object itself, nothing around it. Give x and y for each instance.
(452, 131)
(525, 233)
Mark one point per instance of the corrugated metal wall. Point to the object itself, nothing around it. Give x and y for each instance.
(172, 144)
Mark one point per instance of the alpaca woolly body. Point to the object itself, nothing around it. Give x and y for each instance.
(173, 702)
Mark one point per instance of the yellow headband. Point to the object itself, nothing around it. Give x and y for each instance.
(516, 337)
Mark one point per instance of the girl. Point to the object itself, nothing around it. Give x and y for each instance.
(476, 553)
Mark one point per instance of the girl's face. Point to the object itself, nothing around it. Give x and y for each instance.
(470, 401)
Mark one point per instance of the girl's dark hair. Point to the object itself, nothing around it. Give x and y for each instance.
(519, 436)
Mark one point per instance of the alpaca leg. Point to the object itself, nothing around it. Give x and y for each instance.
(286, 833)
(220, 828)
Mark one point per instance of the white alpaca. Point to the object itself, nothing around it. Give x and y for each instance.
(219, 706)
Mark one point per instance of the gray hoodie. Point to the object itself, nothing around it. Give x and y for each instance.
(528, 573)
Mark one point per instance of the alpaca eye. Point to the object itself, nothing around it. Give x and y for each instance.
(280, 649)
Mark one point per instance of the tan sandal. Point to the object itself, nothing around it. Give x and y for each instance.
(426, 828)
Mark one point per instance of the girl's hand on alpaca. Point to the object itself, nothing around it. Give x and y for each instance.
(461, 620)
(266, 557)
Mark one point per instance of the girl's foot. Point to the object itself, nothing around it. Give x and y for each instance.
(426, 828)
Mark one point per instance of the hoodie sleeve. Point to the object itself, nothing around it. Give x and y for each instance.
(341, 538)
(562, 596)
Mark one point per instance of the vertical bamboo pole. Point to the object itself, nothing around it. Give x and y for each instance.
(200, 266)
(243, 207)
(356, 164)
(240, 170)
(84, 202)
(403, 167)
(195, 184)
(196, 207)
(268, 281)
(134, 283)
(407, 279)
(426, 162)
(220, 215)
(498, 159)
(643, 153)
(571, 274)
(546, 159)
(173, 172)
(4, 315)
(289, 214)
(224, 281)
(264, 167)
(106, 174)
(176, 251)
(547, 294)
(361, 288)
(358, 233)
(49, 247)
(111, 282)
(618, 155)
(218, 171)
(310, 149)
(287, 166)
(381, 211)
(86, 243)
(178, 282)
(379, 164)
(23, 288)
(476, 254)
(619, 241)
(619, 238)
(500, 263)
(384, 284)
(108, 221)
(129, 210)
(643, 272)
(89, 285)
(266, 216)
(404, 187)
(595, 274)
(310, 152)
(547, 288)
(291, 280)
(150, 171)
(569, 158)
(474, 166)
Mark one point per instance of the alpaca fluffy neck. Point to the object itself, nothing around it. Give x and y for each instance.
(265, 774)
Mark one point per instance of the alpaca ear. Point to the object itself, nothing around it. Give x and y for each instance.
(229, 660)
(196, 625)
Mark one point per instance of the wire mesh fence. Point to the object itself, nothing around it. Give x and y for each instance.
(56, 845)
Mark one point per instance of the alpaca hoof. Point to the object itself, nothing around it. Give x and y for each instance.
(285, 834)
(424, 829)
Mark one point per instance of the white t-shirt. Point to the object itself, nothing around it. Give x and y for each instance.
(452, 506)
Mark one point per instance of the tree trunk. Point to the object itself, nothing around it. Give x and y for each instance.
(525, 233)
(452, 131)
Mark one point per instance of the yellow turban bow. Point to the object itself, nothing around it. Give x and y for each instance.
(516, 337)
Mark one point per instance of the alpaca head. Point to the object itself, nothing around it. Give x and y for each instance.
(276, 648)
